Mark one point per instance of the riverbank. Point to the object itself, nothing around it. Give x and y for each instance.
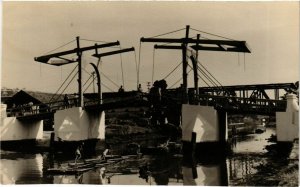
(290, 175)
(277, 167)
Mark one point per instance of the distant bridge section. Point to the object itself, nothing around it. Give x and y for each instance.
(257, 99)
(257, 91)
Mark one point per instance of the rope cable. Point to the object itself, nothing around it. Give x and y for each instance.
(172, 71)
(109, 79)
(40, 69)
(175, 83)
(88, 86)
(86, 71)
(122, 69)
(139, 65)
(63, 84)
(210, 73)
(89, 40)
(59, 47)
(203, 80)
(168, 33)
(244, 62)
(212, 34)
(102, 84)
(153, 64)
(208, 78)
(179, 79)
(205, 74)
(60, 73)
(87, 80)
(136, 66)
(199, 63)
(66, 86)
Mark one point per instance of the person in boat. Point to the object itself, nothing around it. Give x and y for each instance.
(78, 153)
(103, 156)
(165, 145)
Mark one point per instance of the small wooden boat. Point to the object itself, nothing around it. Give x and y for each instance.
(260, 129)
(102, 164)
(112, 156)
(67, 171)
(114, 160)
(88, 161)
(139, 155)
(82, 165)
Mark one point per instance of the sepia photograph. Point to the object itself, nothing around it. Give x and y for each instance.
(193, 93)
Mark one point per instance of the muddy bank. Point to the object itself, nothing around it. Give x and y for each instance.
(134, 124)
(273, 168)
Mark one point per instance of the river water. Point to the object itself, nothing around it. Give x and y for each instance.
(235, 169)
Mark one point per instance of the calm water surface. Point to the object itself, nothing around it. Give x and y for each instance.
(27, 168)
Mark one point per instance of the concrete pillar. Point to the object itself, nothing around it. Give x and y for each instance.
(287, 123)
(75, 124)
(204, 126)
(3, 111)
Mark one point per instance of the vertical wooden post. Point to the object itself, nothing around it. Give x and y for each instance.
(196, 78)
(222, 123)
(80, 95)
(184, 66)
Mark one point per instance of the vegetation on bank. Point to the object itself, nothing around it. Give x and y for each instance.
(131, 124)
(275, 168)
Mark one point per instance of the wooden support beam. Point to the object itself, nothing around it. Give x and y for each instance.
(45, 58)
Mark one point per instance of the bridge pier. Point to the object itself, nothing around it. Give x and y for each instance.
(287, 123)
(204, 131)
(17, 134)
(75, 125)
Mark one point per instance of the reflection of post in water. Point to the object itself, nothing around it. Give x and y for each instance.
(48, 162)
(102, 175)
(161, 170)
(205, 173)
(243, 166)
(79, 178)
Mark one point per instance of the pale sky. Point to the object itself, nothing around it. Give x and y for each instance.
(31, 29)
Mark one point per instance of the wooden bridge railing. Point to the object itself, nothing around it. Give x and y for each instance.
(220, 102)
(238, 103)
(231, 103)
(34, 109)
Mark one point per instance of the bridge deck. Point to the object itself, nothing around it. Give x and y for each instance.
(134, 99)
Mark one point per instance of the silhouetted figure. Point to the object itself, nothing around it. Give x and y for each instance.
(78, 152)
(158, 100)
(140, 88)
(66, 100)
(103, 156)
(121, 89)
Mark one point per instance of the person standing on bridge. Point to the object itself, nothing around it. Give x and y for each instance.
(66, 100)
(121, 89)
(140, 88)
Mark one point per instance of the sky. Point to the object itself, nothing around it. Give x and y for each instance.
(31, 29)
